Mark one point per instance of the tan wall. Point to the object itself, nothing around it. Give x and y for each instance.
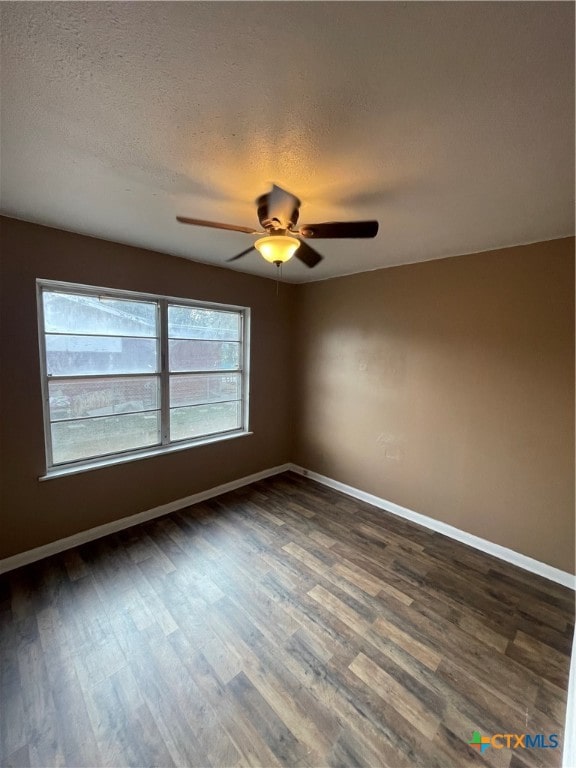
(448, 387)
(35, 513)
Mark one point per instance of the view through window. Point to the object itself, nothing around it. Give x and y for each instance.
(125, 373)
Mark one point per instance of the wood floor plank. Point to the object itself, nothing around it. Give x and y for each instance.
(278, 688)
(514, 681)
(418, 650)
(552, 702)
(13, 736)
(449, 749)
(173, 725)
(380, 715)
(388, 688)
(282, 624)
(361, 578)
(539, 657)
(76, 742)
(273, 730)
(317, 674)
(118, 732)
(246, 740)
(200, 715)
(342, 611)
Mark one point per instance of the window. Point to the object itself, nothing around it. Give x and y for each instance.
(126, 374)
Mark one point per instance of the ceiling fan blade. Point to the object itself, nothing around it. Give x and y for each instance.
(216, 225)
(340, 229)
(263, 210)
(308, 255)
(239, 255)
(282, 202)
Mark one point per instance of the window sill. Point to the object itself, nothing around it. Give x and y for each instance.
(88, 466)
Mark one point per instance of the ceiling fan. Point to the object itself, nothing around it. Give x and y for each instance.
(278, 216)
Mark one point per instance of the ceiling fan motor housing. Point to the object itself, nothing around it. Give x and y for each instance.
(276, 220)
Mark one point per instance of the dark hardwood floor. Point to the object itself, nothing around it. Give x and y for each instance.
(283, 624)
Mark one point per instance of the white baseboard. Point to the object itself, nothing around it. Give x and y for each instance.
(489, 547)
(502, 553)
(32, 555)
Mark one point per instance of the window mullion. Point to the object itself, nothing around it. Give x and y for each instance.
(164, 374)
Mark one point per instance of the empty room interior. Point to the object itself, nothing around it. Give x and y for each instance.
(287, 407)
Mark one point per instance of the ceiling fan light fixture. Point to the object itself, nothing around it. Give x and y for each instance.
(277, 248)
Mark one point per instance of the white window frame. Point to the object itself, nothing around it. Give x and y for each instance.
(165, 446)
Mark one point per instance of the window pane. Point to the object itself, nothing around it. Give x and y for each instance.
(204, 355)
(196, 323)
(70, 313)
(192, 390)
(85, 355)
(98, 397)
(199, 420)
(73, 440)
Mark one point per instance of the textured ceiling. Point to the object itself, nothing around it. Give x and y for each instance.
(451, 123)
